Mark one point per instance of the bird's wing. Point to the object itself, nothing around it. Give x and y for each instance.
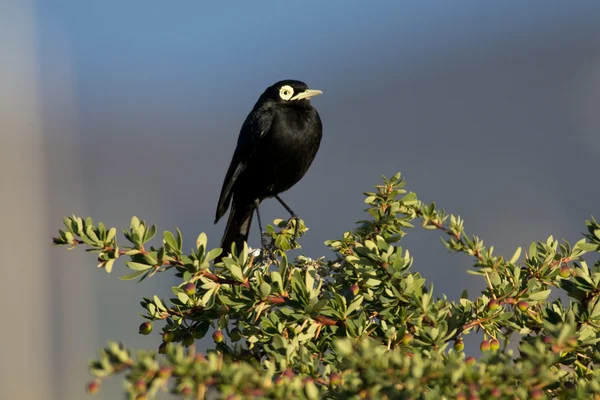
(253, 130)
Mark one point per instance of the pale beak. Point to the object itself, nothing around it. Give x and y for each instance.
(307, 94)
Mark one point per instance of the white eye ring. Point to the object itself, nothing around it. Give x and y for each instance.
(286, 92)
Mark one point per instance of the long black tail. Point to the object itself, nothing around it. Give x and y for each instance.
(238, 226)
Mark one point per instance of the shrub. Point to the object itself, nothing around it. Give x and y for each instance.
(362, 324)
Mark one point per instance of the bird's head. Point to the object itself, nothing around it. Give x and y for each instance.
(289, 92)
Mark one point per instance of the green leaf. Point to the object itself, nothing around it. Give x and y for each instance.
(515, 256)
(109, 264)
(207, 296)
(137, 266)
(110, 235)
(265, 290)
(539, 296)
(159, 303)
(214, 253)
(201, 241)
(132, 276)
(533, 250)
(170, 240)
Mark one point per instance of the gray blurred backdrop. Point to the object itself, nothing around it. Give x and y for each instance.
(112, 109)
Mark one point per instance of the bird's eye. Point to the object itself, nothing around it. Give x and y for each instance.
(286, 92)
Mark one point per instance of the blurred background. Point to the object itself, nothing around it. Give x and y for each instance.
(112, 109)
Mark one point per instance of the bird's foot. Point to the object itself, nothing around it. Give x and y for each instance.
(267, 248)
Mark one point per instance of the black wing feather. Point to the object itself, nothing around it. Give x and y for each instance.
(253, 130)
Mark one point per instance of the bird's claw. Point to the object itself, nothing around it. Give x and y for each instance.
(267, 248)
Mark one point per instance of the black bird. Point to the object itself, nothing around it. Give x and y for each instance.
(277, 144)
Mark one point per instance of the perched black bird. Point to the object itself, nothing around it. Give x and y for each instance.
(277, 143)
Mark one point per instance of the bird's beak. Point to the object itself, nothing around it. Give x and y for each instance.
(307, 94)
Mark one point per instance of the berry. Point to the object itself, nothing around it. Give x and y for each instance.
(548, 339)
(235, 335)
(218, 336)
(289, 373)
(164, 372)
(495, 393)
(407, 338)
(354, 289)
(485, 345)
(522, 306)
(162, 349)
(565, 271)
(470, 360)
(222, 310)
(494, 344)
(93, 387)
(189, 288)
(569, 385)
(510, 300)
(186, 391)
(145, 328)
(187, 340)
(459, 345)
(461, 396)
(199, 358)
(493, 305)
(536, 394)
(168, 336)
(335, 379)
(140, 385)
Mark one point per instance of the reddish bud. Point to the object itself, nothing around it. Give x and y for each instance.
(145, 328)
(218, 336)
(189, 288)
(93, 387)
(407, 338)
(485, 345)
(470, 360)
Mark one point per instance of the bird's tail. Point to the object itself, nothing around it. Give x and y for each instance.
(238, 227)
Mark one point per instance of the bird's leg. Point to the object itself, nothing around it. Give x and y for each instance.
(263, 240)
(292, 213)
